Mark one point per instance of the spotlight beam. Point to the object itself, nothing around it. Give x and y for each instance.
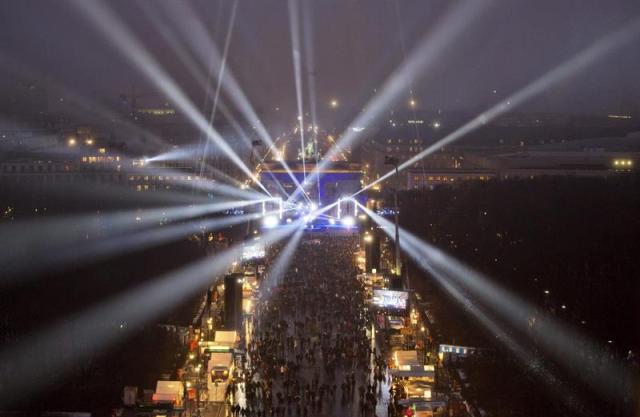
(193, 68)
(284, 192)
(190, 64)
(172, 176)
(89, 105)
(575, 64)
(282, 262)
(206, 49)
(191, 151)
(558, 340)
(223, 66)
(73, 241)
(294, 29)
(114, 30)
(527, 358)
(210, 186)
(124, 314)
(421, 59)
(307, 29)
(129, 197)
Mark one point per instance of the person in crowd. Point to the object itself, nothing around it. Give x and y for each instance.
(310, 354)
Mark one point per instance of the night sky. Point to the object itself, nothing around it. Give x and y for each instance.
(356, 45)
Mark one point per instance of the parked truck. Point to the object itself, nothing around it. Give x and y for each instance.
(169, 392)
(220, 366)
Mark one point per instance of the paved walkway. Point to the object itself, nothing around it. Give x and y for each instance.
(311, 354)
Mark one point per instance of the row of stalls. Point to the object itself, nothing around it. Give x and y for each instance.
(414, 385)
(400, 334)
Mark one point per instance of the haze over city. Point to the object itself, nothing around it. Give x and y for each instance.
(319, 208)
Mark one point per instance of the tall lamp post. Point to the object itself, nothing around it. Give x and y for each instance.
(254, 144)
(390, 160)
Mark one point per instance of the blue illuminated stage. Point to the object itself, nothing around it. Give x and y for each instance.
(329, 187)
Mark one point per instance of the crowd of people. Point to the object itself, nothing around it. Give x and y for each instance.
(310, 353)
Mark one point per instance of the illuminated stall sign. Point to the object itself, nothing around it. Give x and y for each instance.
(390, 299)
(457, 350)
(254, 250)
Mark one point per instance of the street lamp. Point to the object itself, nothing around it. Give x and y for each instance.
(254, 144)
(334, 103)
(390, 160)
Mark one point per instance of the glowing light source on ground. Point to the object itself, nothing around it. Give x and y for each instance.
(270, 222)
(349, 221)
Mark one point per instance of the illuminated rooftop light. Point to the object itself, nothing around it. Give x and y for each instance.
(71, 142)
